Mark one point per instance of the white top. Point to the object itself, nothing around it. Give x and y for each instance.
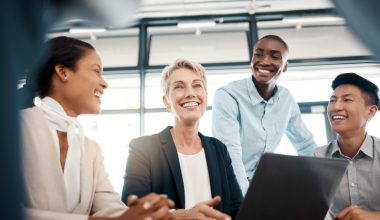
(59, 121)
(196, 179)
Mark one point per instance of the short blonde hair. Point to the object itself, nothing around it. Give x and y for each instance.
(178, 64)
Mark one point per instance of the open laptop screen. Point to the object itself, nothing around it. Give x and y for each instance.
(292, 187)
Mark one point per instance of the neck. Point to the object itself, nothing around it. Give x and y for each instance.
(66, 107)
(350, 144)
(266, 91)
(186, 139)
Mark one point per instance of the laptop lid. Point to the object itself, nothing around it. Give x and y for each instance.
(292, 188)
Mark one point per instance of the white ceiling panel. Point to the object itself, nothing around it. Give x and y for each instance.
(170, 8)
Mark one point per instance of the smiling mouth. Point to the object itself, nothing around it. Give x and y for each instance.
(264, 70)
(190, 105)
(98, 94)
(338, 117)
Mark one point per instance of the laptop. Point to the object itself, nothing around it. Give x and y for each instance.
(292, 188)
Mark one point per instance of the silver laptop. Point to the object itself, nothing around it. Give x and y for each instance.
(292, 188)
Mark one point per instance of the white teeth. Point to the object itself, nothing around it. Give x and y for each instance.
(338, 117)
(98, 94)
(189, 104)
(264, 70)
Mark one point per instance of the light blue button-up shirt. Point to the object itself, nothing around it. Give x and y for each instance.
(249, 125)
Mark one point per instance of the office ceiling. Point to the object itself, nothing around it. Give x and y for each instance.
(172, 8)
(122, 13)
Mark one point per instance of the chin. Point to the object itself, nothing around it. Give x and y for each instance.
(338, 129)
(93, 111)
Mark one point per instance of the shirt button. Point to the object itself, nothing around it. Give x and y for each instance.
(352, 184)
(351, 162)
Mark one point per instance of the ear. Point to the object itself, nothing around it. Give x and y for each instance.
(372, 111)
(166, 103)
(61, 72)
(285, 67)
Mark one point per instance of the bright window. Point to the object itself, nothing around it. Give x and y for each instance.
(123, 92)
(220, 44)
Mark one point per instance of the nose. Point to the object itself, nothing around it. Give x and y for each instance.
(266, 60)
(103, 83)
(190, 93)
(335, 106)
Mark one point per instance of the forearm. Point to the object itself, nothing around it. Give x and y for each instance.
(103, 218)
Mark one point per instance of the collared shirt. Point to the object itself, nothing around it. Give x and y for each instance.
(250, 126)
(360, 186)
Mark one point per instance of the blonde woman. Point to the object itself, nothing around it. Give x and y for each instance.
(194, 170)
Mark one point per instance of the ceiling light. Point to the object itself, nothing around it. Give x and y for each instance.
(86, 30)
(314, 19)
(196, 24)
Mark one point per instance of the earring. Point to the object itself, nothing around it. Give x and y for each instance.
(65, 78)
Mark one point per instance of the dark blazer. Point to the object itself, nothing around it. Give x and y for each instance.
(153, 166)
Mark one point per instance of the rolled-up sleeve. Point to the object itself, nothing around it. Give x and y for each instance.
(297, 132)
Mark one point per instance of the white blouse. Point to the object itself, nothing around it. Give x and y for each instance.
(58, 120)
(196, 179)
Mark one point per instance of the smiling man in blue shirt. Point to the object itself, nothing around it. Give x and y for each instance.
(251, 115)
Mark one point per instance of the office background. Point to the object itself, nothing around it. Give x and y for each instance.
(220, 35)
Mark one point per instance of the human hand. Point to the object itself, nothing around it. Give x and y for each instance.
(152, 206)
(355, 213)
(202, 210)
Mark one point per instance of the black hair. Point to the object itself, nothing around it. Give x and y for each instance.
(62, 50)
(277, 38)
(364, 85)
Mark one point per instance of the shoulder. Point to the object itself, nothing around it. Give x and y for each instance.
(143, 140)
(213, 143)
(151, 141)
(31, 114)
(376, 141)
(234, 86)
(284, 92)
(33, 122)
(210, 140)
(232, 93)
(323, 151)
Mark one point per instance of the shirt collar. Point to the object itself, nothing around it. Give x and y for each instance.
(366, 148)
(255, 96)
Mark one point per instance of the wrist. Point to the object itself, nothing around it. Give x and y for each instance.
(179, 213)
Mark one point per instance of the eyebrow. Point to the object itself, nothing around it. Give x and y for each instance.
(344, 95)
(198, 80)
(180, 81)
(271, 51)
(96, 65)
